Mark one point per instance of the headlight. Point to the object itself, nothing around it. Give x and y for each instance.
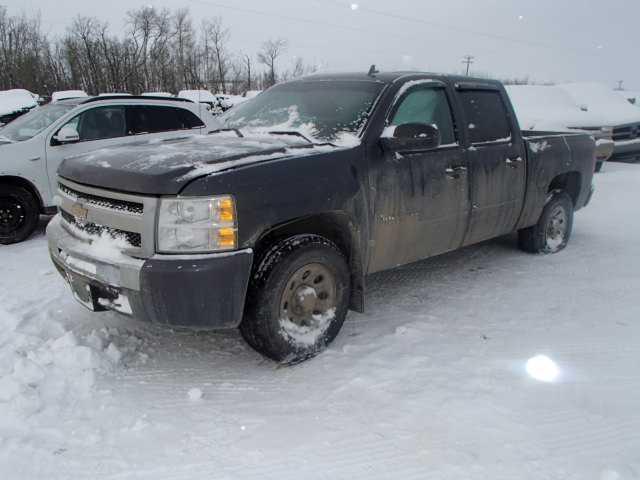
(197, 225)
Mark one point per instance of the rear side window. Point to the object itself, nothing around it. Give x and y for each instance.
(430, 106)
(486, 114)
(156, 119)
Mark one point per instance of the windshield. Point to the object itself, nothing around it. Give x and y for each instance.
(32, 123)
(327, 111)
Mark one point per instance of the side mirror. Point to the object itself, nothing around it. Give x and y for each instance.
(411, 137)
(67, 134)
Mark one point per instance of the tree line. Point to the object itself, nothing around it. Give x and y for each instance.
(159, 50)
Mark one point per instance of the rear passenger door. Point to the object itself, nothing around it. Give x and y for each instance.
(161, 121)
(496, 162)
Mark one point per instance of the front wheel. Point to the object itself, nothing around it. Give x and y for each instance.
(298, 299)
(553, 230)
(19, 214)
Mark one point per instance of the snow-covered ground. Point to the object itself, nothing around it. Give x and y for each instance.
(431, 383)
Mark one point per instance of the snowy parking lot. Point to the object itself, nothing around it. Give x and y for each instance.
(431, 383)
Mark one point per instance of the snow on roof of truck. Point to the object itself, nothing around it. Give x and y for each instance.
(197, 95)
(15, 100)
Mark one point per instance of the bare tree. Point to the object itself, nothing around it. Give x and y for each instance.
(268, 56)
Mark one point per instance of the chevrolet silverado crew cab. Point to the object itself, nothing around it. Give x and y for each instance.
(272, 223)
(33, 146)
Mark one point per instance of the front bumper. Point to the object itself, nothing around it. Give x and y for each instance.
(627, 150)
(197, 291)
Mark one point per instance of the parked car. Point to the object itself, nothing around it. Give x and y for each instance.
(68, 95)
(549, 108)
(33, 146)
(14, 103)
(272, 222)
(615, 112)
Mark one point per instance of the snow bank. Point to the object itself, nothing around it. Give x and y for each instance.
(15, 100)
(45, 368)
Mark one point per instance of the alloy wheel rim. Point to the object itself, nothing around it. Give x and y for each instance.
(13, 215)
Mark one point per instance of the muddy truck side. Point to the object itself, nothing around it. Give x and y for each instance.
(273, 223)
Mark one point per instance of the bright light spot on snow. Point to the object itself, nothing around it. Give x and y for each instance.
(542, 368)
(600, 47)
(194, 394)
(520, 17)
(355, 6)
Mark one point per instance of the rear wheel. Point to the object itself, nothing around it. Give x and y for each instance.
(553, 230)
(298, 299)
(19, 214)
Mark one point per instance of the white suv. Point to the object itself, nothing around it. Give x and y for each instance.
(33, 146)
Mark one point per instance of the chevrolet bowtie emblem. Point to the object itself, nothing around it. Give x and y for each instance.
(79, 211)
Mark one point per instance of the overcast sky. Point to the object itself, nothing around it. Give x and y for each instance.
(548, 40)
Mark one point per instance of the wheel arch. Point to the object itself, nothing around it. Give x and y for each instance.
(334, 226)
(23, 182)
(569, 182)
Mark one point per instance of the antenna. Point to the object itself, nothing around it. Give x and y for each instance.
(373, 71)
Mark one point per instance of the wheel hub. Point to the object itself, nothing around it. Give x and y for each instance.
(309, 295)
(12, 215)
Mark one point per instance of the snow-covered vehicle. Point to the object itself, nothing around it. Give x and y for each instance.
(68, 95)
(14, 103)
(549, 108)
(632, 97)
(33, 146)
(272, 223)
(615, 112)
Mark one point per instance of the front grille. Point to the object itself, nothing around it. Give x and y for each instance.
(626, 132)
(134, 239)
(102, 202)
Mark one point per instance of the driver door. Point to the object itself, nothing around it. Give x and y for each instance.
(421, 201)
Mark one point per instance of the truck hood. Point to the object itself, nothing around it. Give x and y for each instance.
(165, 167)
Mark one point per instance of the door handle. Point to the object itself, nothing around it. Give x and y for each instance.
(34, 159)
(513, 162)
(455, 172)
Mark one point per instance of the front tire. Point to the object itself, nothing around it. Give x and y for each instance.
(19, 214)
(553, 230)
(298, 299)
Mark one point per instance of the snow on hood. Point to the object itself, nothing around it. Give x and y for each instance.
(66, 94)
(15, 100)
(165, 166)
(602, 101)
(542, 107)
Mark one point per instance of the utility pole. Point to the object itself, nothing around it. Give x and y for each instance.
(468, 60)
(620, 82)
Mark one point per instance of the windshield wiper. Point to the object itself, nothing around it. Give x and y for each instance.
(221, 130)
(293, 133)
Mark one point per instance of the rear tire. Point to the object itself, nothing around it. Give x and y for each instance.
(298, 299)
(19, 214)
(553, 230)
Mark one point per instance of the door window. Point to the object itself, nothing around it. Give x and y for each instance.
(99, 123)
(486, 114)
(156, 119)
(430, 106)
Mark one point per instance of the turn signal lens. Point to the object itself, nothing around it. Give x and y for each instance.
(226, 210)
(227, 238)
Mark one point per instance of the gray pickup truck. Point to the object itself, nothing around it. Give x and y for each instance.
(272, 223)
